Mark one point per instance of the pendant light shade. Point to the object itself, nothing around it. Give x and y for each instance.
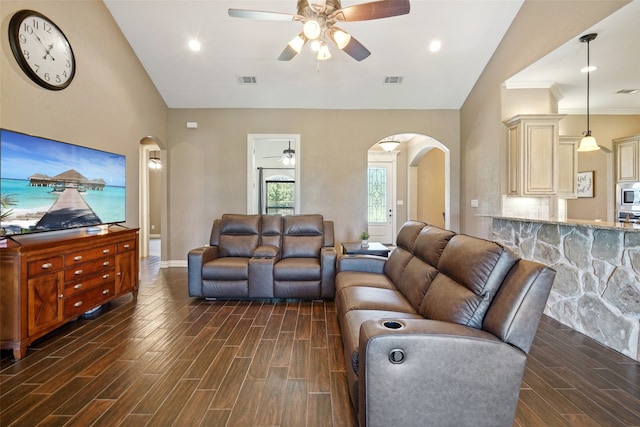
(388, 145)
(588, 142)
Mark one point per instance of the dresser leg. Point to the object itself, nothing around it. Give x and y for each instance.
(19, 352)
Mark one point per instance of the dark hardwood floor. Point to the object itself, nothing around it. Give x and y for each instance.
(170, 360)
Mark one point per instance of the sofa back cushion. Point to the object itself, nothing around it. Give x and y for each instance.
(302, 236)
(402, 254)
(271, 230)
(422, 267)
(471, 271)
(239, 235)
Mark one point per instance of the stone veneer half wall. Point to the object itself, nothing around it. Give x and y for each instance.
(597, 285)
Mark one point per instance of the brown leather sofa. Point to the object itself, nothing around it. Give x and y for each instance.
(265, 256)
(438, 333)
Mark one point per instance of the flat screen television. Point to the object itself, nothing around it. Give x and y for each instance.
(48, 185)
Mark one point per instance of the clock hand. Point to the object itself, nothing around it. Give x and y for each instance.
(46, 51)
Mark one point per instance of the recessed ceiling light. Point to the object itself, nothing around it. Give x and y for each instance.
(435, 45)
(194, 45)
(393, 80)
(588, 69)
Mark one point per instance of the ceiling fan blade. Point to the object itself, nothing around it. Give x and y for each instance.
(287, 54)
(262, 15)
(373, 10)
(356, 50)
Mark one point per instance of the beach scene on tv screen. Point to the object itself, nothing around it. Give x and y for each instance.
(50, 185)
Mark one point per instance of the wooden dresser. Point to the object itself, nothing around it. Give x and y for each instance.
(49, 279)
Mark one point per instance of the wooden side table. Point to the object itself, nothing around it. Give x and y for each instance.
(356, 248)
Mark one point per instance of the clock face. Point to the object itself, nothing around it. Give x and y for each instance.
(41, 49)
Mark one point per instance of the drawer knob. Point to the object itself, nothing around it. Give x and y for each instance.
(78, 304)
(77, 272)
(61, 296)
(105, 292)
(105, 251)
(78, 286)
(46, 265)
(106, 263)
(77, 257)
(106, 276)
(126, 246)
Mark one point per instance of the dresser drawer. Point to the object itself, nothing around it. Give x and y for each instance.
(84, 255)
(86, 269)
(127, 245)
(45, 265)
(85, 301)
(102, 278)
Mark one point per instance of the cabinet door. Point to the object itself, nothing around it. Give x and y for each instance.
(126, 272)
(627, 161)
(45, 304)
(513, 161)
(540, 159)
(568, 166)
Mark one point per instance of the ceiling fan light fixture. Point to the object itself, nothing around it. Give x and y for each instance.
(315, 45)
(297, 42)
(311, 29)
(340, 38)
(388, 145)
(323, 52)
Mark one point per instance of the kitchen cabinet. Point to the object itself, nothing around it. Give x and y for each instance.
(49, 279)
(532, 154)
(627, 155)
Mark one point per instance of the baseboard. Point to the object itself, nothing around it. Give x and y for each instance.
(173, 263)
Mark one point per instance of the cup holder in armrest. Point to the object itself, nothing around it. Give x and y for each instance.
(392, 324)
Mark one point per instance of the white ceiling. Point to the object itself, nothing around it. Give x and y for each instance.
(470, 31)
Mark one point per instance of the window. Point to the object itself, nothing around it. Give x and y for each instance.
(377, 184)
(280, 196)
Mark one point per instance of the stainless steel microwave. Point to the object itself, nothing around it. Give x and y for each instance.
(628, 195)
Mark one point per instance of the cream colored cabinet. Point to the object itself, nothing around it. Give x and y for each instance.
(627, 151)
(568, 166)
(532, 154)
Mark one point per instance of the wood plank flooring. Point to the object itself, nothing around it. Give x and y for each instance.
(170, 360)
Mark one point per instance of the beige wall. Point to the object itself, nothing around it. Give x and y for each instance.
(481, 133)
(207, 166)
(605, 128)
(431, 187)
(111, 103)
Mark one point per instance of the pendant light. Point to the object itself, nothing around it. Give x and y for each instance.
(588, 142)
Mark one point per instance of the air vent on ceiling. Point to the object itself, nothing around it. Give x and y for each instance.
(392, 80)
(627, 91)
(247, 80)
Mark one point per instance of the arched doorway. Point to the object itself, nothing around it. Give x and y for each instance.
(408, 185)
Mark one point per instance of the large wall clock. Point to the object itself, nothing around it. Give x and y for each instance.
(41, 49)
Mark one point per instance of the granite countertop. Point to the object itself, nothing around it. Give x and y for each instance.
(601, 225)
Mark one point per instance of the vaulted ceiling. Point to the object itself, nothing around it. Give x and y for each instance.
(238, 50)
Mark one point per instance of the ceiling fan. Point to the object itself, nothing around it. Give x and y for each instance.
(288, 157)
(319, 21)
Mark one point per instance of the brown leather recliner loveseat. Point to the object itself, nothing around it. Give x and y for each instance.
(265, 256)
(438, 333)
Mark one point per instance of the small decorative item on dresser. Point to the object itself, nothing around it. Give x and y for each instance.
(364, 238)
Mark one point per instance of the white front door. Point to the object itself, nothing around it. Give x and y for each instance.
(381, 195)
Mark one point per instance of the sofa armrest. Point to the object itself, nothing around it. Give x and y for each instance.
(445, 373)
(266, 251)
(363, 263)
(196, 259)
(328, 257)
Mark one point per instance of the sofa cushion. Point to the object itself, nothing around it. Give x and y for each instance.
(302, 236)
(430, 244)
(239, 235)
(367, 298)
(292, 269)
(271, 230)
(396, 263)
(471, 271)
(344, 279)
(227, 268)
